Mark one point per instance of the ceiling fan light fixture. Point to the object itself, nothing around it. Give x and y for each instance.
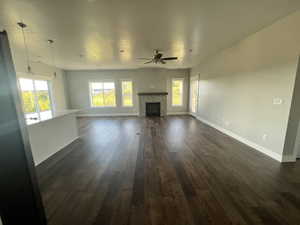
(158, 58)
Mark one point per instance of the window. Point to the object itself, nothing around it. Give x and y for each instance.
(127, 93)
(177, 92)
(36, 99)
(102, 94)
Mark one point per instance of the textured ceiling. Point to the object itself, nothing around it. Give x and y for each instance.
(89, 34)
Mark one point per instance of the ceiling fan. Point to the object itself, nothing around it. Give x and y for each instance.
(158, 58)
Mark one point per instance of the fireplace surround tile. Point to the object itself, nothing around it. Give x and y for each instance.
(153, 97)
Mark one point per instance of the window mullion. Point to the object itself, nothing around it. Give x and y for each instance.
(50, 96)
(104, 98)
(36, 101)
(103, 94)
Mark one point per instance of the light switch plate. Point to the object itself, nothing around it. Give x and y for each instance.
(277, 101)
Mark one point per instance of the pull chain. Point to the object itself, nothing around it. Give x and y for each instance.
(23, 25)
(52, 55)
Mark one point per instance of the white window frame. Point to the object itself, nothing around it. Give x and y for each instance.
(49, 85)
(90, 93)
(176, 79)
(124, 80)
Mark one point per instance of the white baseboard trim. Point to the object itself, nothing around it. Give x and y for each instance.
(192, 114)
(59, 149)
(177, 113)
(106, 115)
(124, 114)
(253, 145)
(289, 158)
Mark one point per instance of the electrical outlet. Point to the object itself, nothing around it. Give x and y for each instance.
(227, 123)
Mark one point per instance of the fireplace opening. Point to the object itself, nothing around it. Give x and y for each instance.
(152, 108)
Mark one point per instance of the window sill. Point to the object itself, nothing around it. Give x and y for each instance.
(97, 107)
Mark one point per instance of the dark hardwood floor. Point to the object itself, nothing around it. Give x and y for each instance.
(165, 171)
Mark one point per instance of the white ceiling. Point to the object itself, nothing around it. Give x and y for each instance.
(98, 29)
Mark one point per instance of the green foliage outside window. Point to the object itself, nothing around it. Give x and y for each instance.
(43, 100)
(127, 93)
(28, 102)
(177, 92)
(35, 95)
(106, 98)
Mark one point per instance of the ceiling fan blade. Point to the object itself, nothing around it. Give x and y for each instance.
(144, 58)
(148, 62)
(170, 58)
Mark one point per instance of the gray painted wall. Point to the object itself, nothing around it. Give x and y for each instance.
(237, 87)
(144, 80)
(58, 91)
(243, 103)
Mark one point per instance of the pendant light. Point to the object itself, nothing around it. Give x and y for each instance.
(51, 43)
(23, 26)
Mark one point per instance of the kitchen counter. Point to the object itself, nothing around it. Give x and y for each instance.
(50, 116)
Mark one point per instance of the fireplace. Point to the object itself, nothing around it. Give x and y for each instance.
(152, 103)
(152, 108)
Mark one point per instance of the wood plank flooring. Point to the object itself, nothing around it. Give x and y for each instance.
(165, 171)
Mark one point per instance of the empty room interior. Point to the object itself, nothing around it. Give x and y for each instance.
(149, 112)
